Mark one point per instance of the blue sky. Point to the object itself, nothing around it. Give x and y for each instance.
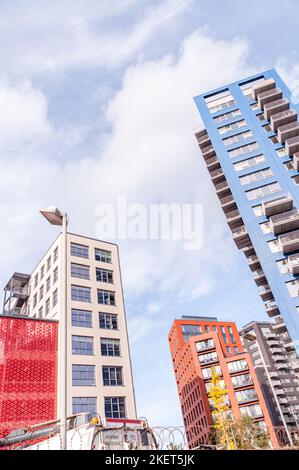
(96, 102)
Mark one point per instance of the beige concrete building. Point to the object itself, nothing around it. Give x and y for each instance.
(99, 365)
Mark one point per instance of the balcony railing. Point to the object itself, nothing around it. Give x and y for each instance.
(284, 222)
(282, 118)
(275, 107)
(292, 145)
(265, 292)
(268, 96)
(293, 263)
(272, 308)
(263, 86)
(288, 131)
(277, 205)
(220, 187)
(21, 291)
(289, 242)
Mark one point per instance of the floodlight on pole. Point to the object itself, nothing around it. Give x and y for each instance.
(55, 217)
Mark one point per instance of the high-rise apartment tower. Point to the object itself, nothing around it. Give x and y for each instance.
(250, 144)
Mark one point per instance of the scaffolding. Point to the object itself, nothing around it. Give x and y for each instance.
(16, 293)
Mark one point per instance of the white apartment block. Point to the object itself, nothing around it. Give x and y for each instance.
(99, 377)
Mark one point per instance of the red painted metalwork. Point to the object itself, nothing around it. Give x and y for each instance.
(28, 372)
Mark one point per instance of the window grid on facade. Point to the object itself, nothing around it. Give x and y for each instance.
(81, 251)
(108, 321)
(249, 162)
(80, 271)
(83, 375)
(103, 275)
(82, 345)
(110, 347)
(103, 255)
(256, 176)
(115, 407)
(263, 191)
(106, 297)
(82, 318)
(81, 294)
(112, 375)
(84, 405)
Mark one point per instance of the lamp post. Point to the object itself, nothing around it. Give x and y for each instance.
(252, 337)
(55, 217)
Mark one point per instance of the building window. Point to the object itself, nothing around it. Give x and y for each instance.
(293, 288)
(103, 255)
(235, 366)
(249, 162)
(243, 396)
(55, 298)
(108, 321)
(40, 312)
(237, 138)
(55, 254)
(79, 250)
(227, 116)
(241, 380)
(206, 344)
(222, 100)
(274, 246)
(84, 405)
(47, 307)
(191, 330)
(82, 318)
(41, 292)
(231, 335)
(243, 150)
(265, 228)
(282, 266)
(81, 294)
(254, 411)
(48, 263)
(83, 375)
(274, 139)
(55, 275)
(257, 210)
(231, 127)
(110, 347)
(224, 335)
(207, 371)
(256, 176)
(115, 407)
(34, 300)
(263, 191)
(80, 271)
(254, 106)
(208, 358)
(48, 284)
(103, 275)
(282, 152)
(82, 345)
(35, 280)
(112, 376)
(106, 297)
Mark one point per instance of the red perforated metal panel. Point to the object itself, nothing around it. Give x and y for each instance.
(28, 372)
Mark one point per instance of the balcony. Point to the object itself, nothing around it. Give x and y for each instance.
(227, 203)
(289, 242)
(279, 325)
(259, 277)
(278, 205)
(288, 131)
(289, 345)
(268, 96)
(21, 292)
(292, 145)
(296, 161)
(263, 86)
(212, 163)
(253, 262)
(203, 138)
(272, 308)
(275, 107)
(234, 219)
(217, 175)
(293, 264)
(284, 222)
(240, 236)
(282, 118)
(222, 188)
(248, 250)
(208, 152)
(265, 292)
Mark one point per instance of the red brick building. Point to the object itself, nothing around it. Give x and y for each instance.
(197, 344)
(28, 371)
